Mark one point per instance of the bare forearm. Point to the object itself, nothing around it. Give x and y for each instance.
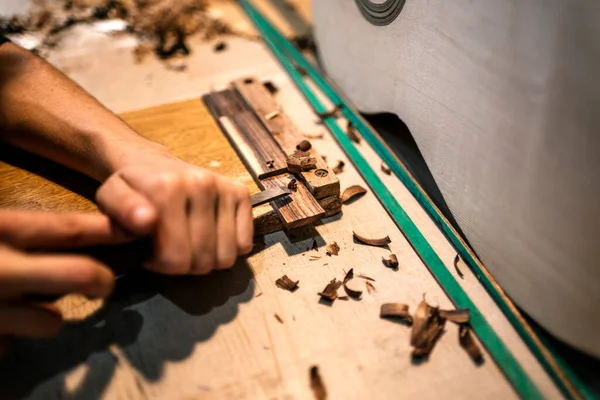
(44, 112)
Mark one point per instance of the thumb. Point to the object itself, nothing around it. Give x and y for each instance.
(126, 206)
(36, 229)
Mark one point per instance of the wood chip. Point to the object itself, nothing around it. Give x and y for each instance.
(316, 384)
(270, 86)
(352, 133)
(469, 344)
(319, 135)
(293, 185)
(331, 113)
(339, 168)
(370, 287)
(460, 316)
(350, 287)
(352, 192)
(345, 298)
(366, 277)
(385, 169)
(286, 283)
(458, 271)
(220, 47)
(314, 246)
(332, 249)
(304, 145)
(301, 161)
(270, 163)
(396, 310)
(330, 291)
(271, 115)
(392, 262)
(372, 242)
(278, 318)
(428, 326)
(315, 258)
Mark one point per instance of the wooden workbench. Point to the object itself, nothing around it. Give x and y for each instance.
(216, 337)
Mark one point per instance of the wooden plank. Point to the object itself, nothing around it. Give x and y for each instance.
(262, 156)
(300, 208)
(321, 184)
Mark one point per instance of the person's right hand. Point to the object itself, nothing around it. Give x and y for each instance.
(23, 272)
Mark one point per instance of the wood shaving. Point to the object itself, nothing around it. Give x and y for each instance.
(428, 326)
(332, 249)
(352, 192)
(331, 113)
(286, 283)
(396, 310)
(339, 167)
(219, 47)
(458, 271)
(370, 287)
(314, 246)
(278, 318)
(392, 262)
(352, 133)
(366, 277)
(319, 135)
(293, 185)
(316, 384)
(460, 316)
(330, 291)
(271, 115)
(384, 241)
(350, 287)
(270, 86)
(469, 344)
(385, 169)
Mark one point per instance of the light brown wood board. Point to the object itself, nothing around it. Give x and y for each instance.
(287, 134)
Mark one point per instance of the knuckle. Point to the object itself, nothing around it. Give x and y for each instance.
(246, 246)
(204, 263)
(201, 181)
(174, 263)
(226, 261)
(165, 182)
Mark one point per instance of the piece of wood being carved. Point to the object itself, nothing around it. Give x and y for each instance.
(321, 181)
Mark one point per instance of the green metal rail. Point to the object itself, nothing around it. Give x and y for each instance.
(292, 61)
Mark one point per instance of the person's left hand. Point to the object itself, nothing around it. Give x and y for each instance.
(199, 220)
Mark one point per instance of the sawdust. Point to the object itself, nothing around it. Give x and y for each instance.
(163, 25)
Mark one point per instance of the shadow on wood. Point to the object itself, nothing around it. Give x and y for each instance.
(121, 322)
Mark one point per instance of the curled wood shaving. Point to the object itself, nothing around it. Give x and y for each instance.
(428, 325)
(385, 169)
(392, 262)
(270, 163)
(316, 384)
(352, 133)
(372, 242)
(271, 115)
(330, 291)
(293, 185)
(339, 168)
(349, 287)
(315, 246)
(460, 316)
(345, 298)
(370, 287)
(304, 145)
(301, 161)
(332, 249)
(396, 310)
(469, 344)
(458, 271)
(314, 258)
(278, 318)
(352, 191)
(286, 283)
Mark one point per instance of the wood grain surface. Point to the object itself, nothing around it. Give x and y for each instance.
(287, 134)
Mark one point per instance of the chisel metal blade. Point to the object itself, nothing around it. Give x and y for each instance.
(269, 195)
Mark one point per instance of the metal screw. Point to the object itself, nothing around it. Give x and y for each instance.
(321, 173)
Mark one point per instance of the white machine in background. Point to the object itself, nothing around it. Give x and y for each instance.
(503, 100)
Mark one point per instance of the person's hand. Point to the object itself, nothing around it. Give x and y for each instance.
(199, 220)
(24, 273)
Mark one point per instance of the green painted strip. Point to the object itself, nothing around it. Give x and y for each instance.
(496, 348)
(569, 383)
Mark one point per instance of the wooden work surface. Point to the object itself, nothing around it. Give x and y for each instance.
(216, 337)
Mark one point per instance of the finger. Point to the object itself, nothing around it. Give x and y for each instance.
(243, 221)
(172, 252)
(226, 230)
(30, 320)
(203, 229)
(54, 274)
(128, 207)
(27, 229)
